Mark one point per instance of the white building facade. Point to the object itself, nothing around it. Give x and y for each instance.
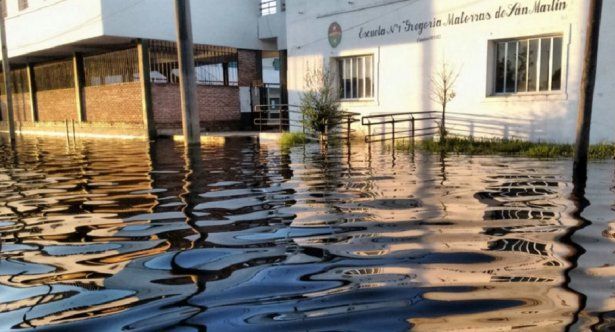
(519, 62)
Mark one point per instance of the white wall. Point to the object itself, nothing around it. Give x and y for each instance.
(603, 120)
(273, 26)
(405, 64)
(47, 24)
(232, 23)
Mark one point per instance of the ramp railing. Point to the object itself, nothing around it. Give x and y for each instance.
(393, 126)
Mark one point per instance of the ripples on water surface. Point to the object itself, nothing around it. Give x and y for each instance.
(123, 235)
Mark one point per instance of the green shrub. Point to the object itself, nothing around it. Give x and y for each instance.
(320, 102)
(292, 139)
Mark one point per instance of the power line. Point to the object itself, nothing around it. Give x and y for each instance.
(34, 10)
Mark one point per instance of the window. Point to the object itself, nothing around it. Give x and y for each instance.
(529, 65)
(356, 77)
(23, 4)
(269, 7)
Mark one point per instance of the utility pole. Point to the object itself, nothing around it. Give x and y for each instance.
(586, 97)
(6, 70)
(187, 76)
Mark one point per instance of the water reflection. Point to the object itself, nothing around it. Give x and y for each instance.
(245, 236)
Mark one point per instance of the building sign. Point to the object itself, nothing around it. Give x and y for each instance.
(335, 34)
(460, 18)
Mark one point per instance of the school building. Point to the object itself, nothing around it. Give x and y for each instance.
(518, 63)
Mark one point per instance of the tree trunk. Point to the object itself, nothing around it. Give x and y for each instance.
(443, 124)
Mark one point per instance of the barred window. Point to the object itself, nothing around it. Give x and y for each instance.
(529, 65)
(112, 68)
(269, 7)
(214, 65)
(356, 77)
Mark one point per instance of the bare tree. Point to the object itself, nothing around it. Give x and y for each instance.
(443, 91)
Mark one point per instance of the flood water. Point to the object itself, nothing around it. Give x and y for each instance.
(243, 236)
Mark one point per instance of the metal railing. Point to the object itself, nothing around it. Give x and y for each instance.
(288, 117)
(392, 125)
(276, 117)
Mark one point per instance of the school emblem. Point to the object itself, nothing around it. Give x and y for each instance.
(335, 34)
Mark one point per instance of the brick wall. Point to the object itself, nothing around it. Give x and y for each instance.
(248, 67)
(56, 105)
(218, 105)
(21, 107)
(116, 103)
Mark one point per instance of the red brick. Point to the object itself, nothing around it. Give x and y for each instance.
(21, 107)
(217, 104)
(248, 67)
(116, 103)
(56, 105)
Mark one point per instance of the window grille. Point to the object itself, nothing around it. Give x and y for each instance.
(214, 65)
(357, 77)
(112, 68)
(53, 76)
(269, 7)
(528, 65)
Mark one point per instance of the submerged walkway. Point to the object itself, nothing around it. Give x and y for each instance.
(215, 137)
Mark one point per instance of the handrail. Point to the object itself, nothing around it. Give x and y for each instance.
(393, 119)
(279, 117)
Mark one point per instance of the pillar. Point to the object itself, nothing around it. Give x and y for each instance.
(146, 88)
(225, 76)
(6, 69)
(32, 89)
(249, 68)
(187, 75)
(284, 77)
(79, 75)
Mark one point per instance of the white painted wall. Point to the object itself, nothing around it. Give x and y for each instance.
(405, 65)
(603, 120)
(232, 23)
(273, 26)
(47, 24)
(51, 23)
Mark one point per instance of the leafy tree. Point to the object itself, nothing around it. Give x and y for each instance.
(320, 102)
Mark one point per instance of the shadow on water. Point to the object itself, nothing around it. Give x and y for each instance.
(239, 235)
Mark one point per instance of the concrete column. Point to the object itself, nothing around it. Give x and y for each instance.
(187, 77)
(146, 88)
(248, 63)
(79, 74)
(6, 69)
(225, 78)
(32, 89)
(249, 70)
(284, 77)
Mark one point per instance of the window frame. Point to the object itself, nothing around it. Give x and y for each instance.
(493, 71)
(340, 77)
